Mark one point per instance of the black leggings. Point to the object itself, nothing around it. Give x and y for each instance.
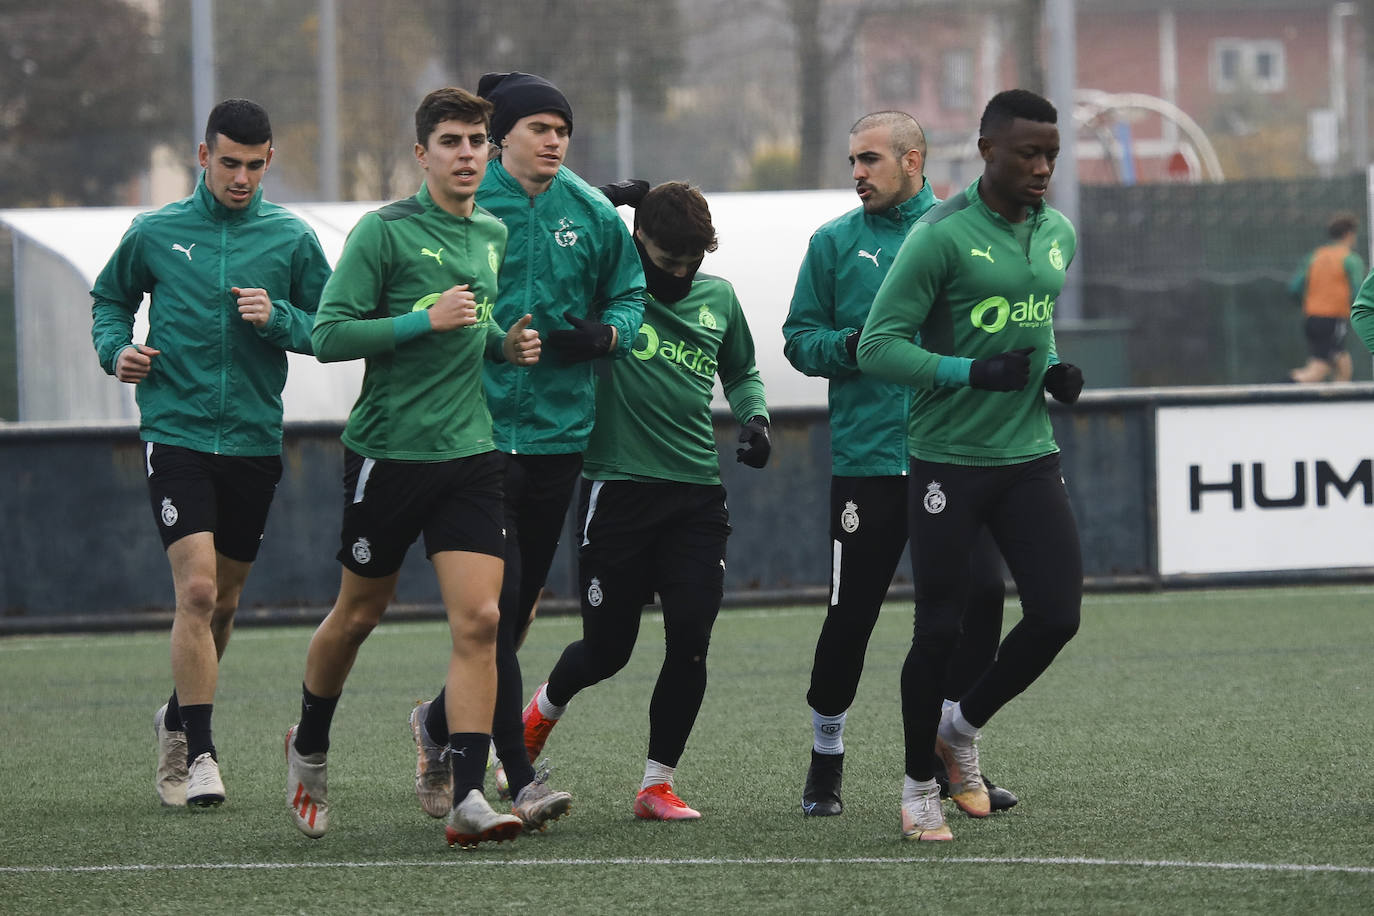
(639, 538)
(1026, 507)
(868, 535)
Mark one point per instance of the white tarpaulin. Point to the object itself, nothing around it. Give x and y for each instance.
(59, 252)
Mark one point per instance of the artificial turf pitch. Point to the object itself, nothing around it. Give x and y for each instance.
(1188, 752)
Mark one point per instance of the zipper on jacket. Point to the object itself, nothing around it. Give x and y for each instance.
(529, 285)
(223, 334)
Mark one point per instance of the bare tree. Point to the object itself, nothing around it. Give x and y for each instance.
(70, 133)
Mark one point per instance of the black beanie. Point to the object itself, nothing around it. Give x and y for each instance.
(517, 95)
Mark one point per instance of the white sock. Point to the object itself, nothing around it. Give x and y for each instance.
(914, 788)
(828, 733)
(954, 728)
(655, 773)
(547, 709)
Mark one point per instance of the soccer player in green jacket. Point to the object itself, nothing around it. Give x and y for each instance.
(412, 295)
(234, 281)
(569, 263)
(845, 263)
(652, 515)
(977, 280)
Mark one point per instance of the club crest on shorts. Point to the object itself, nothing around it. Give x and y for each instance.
(849, 518)
(594, 594)
(169, 512)
(935, 499)
(362, 551)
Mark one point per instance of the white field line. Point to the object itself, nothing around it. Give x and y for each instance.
(485, 862)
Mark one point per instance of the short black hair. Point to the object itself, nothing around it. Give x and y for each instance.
(676, 217)
(1007, 106)
(240, 120)
(449, 104)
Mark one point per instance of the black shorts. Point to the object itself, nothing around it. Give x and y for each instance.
(193, 491)
(1325, 336)
(456, 504)
(636, 538)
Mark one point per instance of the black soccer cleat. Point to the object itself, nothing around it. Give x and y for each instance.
(999, 799)
(821, 794)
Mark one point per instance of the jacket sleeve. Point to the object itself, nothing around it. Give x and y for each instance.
(811, 341)
(1297, 284)
(1362, 312)
(739, 375)
(1354, 270)
(293, 317)
(887, 348)
(621, 288)
(116, 297)
(347, 325)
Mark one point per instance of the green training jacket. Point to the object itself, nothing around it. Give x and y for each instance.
(653, 411)
(421, 397)
(568, 250)
(216, 386)
(969, 287)
(845, 263)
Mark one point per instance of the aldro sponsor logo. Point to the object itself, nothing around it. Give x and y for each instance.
(484, 308)
(683, 355)
(993, 313)
(1294, 493)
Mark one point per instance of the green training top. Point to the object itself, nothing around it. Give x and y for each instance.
(971, 289)
(846, 261)
(216, 386)
(422, 397)
(653, 410)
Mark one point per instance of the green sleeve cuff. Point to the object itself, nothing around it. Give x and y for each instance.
(410, 326)
(952, 372)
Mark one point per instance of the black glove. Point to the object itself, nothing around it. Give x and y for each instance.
(587, 340)
(755, 434)
(1064, 382)
(1004, 372)
(851, 344)
(627, 192)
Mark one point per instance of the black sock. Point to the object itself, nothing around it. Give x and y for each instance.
(468, 754)
(171, 719)
(436, 723)
(196, 719)
(317, 714)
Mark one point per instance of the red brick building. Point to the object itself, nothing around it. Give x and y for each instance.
(1260, 88)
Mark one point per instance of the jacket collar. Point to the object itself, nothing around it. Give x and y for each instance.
(909, 210)
(496, 171)
(1034, 214)
(211, 207)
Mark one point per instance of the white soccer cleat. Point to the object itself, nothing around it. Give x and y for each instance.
(537, 805)
(923, 818)
(472, 821)
(306, 789)
(433, 775)
(204, 788)
(171, 761)
(966, 786)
